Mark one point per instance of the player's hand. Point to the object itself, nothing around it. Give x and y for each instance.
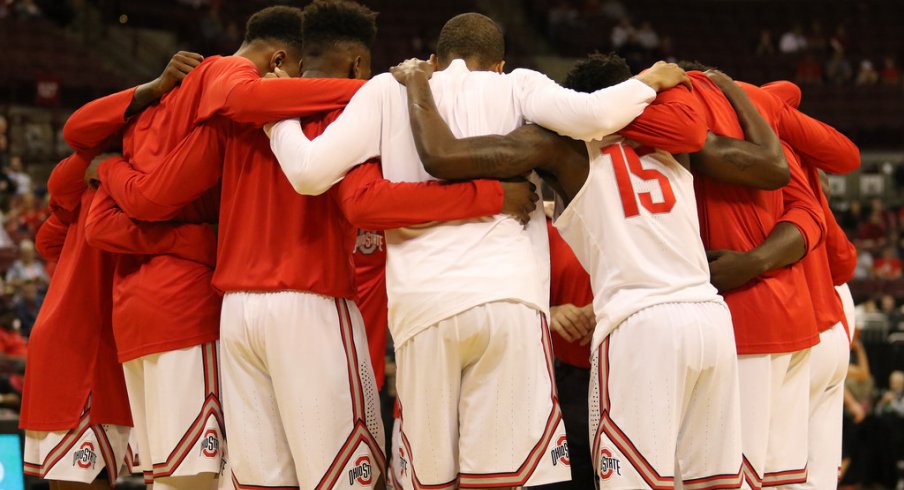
(180, 65)
(572, 322)
(91, 176)
(268, 128)
(662, 76)
(729, 269)
(519, 199)
(723, 81)
(277, 73)
(409, 69)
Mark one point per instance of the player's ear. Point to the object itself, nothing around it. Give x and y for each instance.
(498, 67)
(356, 68)
(277, 58)
(433, 61)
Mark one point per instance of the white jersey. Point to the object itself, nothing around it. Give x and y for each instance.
(634, 228)
(438, 270)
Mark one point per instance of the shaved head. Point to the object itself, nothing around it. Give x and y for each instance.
(471, 37)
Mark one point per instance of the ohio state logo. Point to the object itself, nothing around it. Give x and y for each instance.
(559, 453)
(403, 463)
(84, 456)
(210, 444)
(608, 464)
(368, 242)
(362, 472)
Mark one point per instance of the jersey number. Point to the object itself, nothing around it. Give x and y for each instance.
(626, 188)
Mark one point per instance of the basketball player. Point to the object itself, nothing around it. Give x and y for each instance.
(829, 358)
(635, 286)
(468, 303)
(168, 322)
(285, 266)
(77, 421)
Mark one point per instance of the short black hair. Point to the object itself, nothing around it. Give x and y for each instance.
(688, 65)
(597, 71)
(280, 23)
(327, 22)
(471, 35)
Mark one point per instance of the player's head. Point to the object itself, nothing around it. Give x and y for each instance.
(337, 37)
(597, 71)
(688, 65)
(273, 39)
(474, 38)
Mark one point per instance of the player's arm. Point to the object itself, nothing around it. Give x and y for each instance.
(758, 161)
(592, 116)
(238, 92)
(483, 157)
(108, 228)
(66, 184)
(841, 252)
(819, 144)
(373, 203)
(88, 128)
(313, 166)
(50, 238)
(187, 172)
(799, 230)
(674, 122)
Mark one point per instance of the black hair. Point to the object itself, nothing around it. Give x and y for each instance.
(278, 23)
(471, 36)
(327, 22)
(597, 71)
(688, 65)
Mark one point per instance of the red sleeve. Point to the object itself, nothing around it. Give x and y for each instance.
(674, 122)
(50, 238)
(801, 207)
(817, 143)
(67, 183)
(91, 125)
(188, 171)
(371, 202)
(841, 252)
(108, 228)
(236, 91)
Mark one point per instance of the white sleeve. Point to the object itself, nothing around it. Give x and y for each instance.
(312, 167)
(580, 115)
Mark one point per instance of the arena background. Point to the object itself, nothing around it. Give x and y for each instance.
(845, 54)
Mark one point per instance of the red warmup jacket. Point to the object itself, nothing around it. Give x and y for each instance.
(165, 302)
(770, 314)
(72, 354)
(569, 284)
(820, 146)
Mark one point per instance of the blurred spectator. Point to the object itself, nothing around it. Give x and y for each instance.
(561, 18)
(793, 41)
(647, 37)
(622, 33)
(890, 75)
(867, 75)
(894, 314)
(838, 69)
(840, 40)
(25, 216)
(872, 234)
(816, 38)
(808, 71)
(864, 269)
(765, 47)
(888, 217)
(892, 401)
(16, 173)
(26, 306)
(27, 268)
(27, 9)
(888, 266)
(851, 217)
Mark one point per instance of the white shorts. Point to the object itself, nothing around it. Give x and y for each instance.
(79, 454)
(396, 469)
(774, 417)
(299, 391)
(847, 301)
(664, 405)
(175, 401)
(478, 402)
(828, 368)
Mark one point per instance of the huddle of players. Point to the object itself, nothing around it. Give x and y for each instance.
(647, 185)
